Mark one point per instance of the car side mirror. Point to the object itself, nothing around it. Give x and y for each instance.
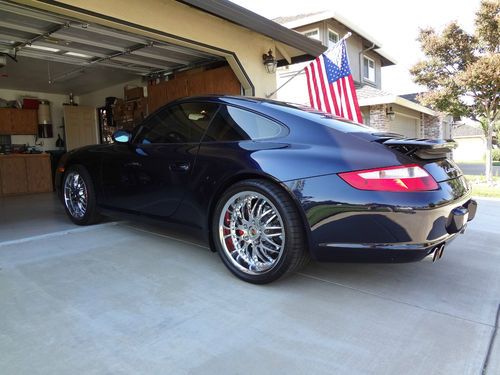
(122, 136)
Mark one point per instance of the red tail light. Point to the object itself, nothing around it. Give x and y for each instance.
(400, 178)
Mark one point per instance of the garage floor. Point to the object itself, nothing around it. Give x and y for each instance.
(115, 299)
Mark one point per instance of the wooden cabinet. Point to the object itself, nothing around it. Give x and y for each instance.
(196, 82)
(18, 121)
(22, 174)
(5, 121)
(14, 180)
(38, 174)
(25, 121)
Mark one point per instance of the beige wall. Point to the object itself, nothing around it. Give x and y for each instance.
(295, 91)
(56, 109)
(172, 17)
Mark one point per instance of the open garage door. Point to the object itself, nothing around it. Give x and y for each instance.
(64, 62)
(83, 57)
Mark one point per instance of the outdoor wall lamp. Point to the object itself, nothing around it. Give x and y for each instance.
(270, 62)
(390, 114)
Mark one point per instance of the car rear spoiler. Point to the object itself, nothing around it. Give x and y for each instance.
(422, 148)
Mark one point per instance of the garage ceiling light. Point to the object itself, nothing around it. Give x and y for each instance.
(42, 48)
(76, 54)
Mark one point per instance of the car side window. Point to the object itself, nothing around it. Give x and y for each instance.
(182, 123)
(235, 124)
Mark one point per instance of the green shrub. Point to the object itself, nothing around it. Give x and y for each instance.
(496, 154)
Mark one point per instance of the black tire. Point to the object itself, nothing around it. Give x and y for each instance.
(91, 215)
(294, 254)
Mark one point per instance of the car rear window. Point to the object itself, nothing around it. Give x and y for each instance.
(235, 124)
(321, 118)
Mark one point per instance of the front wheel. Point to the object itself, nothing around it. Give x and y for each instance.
(258, 232)
(79, 196)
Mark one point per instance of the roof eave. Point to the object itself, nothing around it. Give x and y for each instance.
(394, 99)
(243, 17)
(387, 60)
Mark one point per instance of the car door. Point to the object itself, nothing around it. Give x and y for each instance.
(149, 175)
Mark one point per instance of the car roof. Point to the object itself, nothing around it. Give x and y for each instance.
(271, 107)
(251, 102)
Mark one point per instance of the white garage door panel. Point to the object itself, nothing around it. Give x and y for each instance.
(405, 126)
(469, 149)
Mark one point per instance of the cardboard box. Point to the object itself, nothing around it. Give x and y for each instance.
(30, 103)
(130, 106)
(138, 116)
(142, 106)
(118, 103)
(131, 93)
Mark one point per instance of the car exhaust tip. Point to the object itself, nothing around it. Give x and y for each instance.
(438, 252)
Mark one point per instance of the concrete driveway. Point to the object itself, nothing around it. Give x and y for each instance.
(122, 299)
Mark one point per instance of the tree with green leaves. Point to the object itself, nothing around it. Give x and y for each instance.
(462, 71)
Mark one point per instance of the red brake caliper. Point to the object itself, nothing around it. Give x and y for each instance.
(227, 231)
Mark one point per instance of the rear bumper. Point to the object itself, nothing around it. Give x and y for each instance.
(379, 253)
(346, 224)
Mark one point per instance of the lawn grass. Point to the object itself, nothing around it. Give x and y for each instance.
(481, 189)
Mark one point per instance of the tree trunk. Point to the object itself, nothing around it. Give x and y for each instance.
(489, 147)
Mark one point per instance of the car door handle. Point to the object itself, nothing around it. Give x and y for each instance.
(133, 164)
(180, 166)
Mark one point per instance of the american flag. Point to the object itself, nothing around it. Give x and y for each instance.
(330, 84)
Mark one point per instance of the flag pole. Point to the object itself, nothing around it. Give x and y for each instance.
(347, 35)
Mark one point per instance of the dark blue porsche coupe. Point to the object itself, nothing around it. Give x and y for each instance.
(271, 184)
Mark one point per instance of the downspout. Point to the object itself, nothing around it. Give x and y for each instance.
(361, 62)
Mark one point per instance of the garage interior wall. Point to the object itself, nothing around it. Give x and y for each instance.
(56, 106)
(97, 98)
(94, 99)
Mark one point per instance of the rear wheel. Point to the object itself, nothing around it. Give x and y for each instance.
(258, 232)
(79, 196)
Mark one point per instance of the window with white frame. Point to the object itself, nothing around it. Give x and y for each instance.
(333, 38)
(313, 34)
(368, 69)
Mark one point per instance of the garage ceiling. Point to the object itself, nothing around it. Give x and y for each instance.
(75, 51)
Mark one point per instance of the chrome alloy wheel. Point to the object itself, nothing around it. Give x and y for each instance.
(251, 232)
(75, 195)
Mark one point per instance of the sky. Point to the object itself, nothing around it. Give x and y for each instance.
(395, 23)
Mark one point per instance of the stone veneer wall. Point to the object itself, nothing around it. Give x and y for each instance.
(431, 126)
(378, 117)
